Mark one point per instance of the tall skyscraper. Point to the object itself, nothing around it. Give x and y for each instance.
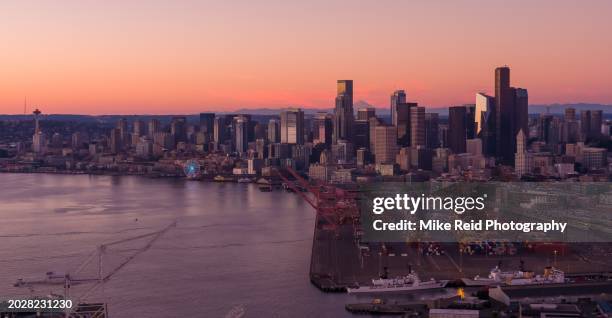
(373, 123)
(432, 139)
(402, 123)
(178, 128)
(511, 115)
(323, 126)
(398, 97)
(122, 125)
(385, 145)
(154, 127)
(292, 126)
(139, 128)
(484, 118)
(417, 126)
(470, 121)
(207, 123)
(343, 113)
(241, 126)
(273, 131)
(570, 114)
(362, 133)
(596, 120)
(221, 132)
(521, 119)
(457, 129)
(504, 100)
(544, 127)
(116, 142)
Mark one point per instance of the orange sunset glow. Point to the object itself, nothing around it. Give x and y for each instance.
(161, 57)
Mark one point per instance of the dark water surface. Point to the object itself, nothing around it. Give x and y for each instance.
(234, 248)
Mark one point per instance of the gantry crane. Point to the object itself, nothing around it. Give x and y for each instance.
(334, 205)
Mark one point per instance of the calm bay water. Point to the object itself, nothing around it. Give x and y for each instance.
(234, 248)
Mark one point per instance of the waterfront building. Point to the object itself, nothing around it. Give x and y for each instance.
(319, 171)
(254, 166)
(593, 158)
(162, 142)
(341, 176)
(144, 148)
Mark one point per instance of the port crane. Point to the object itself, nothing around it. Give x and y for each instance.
(334, 205)
(96, 258)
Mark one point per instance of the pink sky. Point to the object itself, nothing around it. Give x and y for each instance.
(122, 57)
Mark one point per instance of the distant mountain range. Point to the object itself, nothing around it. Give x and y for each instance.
(533, 109)
(266, 112)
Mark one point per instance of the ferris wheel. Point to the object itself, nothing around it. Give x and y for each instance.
(191, 169)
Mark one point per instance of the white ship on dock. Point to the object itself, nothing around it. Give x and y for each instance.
(402, 284)
(498, 277)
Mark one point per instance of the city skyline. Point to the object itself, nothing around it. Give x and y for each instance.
(160, 58)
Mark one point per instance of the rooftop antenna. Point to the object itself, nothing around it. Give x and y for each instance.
(25, 104)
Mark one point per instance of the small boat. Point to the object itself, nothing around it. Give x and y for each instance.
(245, 180)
